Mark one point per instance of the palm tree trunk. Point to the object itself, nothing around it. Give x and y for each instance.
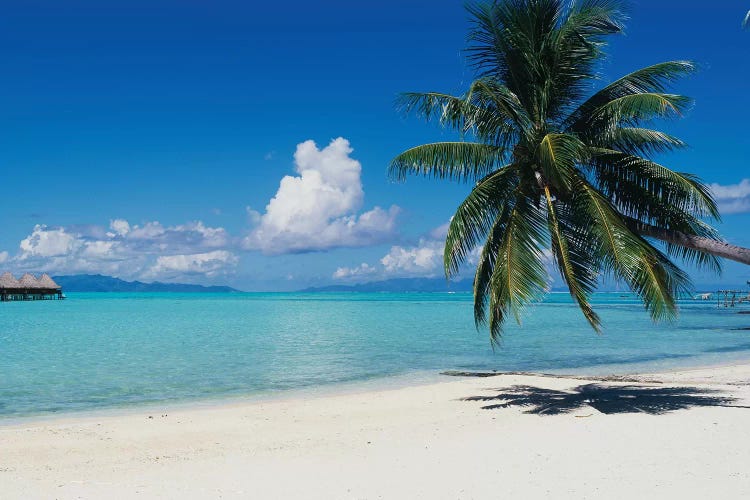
(706, 245)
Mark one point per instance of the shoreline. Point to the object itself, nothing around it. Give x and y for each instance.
(411, 379)
(417, 378)
(669, 434)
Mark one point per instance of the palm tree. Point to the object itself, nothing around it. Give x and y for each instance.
(561, 176)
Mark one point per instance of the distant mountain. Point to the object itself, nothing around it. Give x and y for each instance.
(99, 283)
(399, 285)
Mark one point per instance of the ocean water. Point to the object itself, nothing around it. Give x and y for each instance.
(111, 350)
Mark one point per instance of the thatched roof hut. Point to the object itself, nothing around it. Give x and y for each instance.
(28, 281)
(8, 281)
(29, 288)
(46, 282)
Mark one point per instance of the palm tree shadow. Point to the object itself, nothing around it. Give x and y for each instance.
(608, 399)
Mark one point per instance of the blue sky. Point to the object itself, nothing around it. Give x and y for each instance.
(147, 139)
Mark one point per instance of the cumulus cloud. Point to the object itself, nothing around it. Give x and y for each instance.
(3, 257)
(43, 242)
(732, 198)
(120, 226)
(423, 259)
(125, 250)
(317, 209)
(208, 264)
(100, 249)
(345, 273)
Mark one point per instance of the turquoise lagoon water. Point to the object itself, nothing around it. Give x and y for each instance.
(108, 350)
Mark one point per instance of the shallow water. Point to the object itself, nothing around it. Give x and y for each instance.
(107, 350)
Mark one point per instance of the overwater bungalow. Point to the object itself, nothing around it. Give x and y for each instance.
(29, 288)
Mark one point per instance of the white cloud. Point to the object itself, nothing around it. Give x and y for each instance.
(184, 237)
(208, 236)
(43, 242)
(3, 257)
(127, 251)
(344, 273)
(99, 249)
(208, 264)
(424, 259)
(732, 198)
(317, 209)
(120, 226)
(148, 231)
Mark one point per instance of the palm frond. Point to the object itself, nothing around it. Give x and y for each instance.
(557, 156)
(573, 260)
(489, 94)
(486, 263)
(689, 225)
(573, 52)
(519, 276)
(507, 41)
(463, 161)
(642, 106)
(542, 49)
(486, 38)
(594, 19)
(701, 260)
(448, 110)
(668, 203)
(633, 110)
(618, 173)
(638, 141)
(491, 112)
(654, 78)
(651, 79)
(629, 257)
(476, 216)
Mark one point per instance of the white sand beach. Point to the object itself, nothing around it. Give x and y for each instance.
(662, 437)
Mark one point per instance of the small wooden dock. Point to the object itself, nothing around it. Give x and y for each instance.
(29, 288)
(732, 298)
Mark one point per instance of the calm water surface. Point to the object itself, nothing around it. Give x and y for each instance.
(108, 350)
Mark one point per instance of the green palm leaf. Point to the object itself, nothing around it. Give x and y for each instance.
(576, 267)
(448, 110)
(652, 79)
(476, 216)
(636, 141)
(488, 94)
(519, 276)
(618, 174)
(629, 257)
(489, 110)
(486, 264)
(642, 107)
(688, 225)
(448, 160)
(557, 156)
